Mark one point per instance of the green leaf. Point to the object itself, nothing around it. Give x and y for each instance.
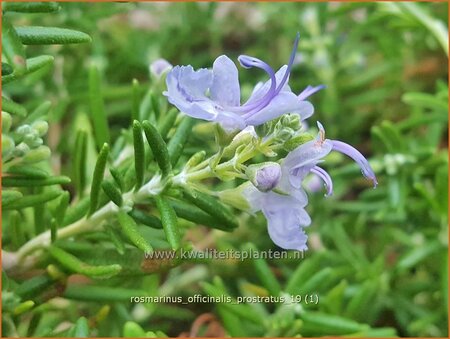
(159, 147)
(74, 264)
(133, 330)
(118, 178)
(115, 239)
(139, 153)
(179, 139)
(16, 181)
(31, 172)
(9, 196)
(97, 107)
(76, 212)
(6, 69)
(112, 192)
(36, 35)
(135, 101)
(146, 219)
(97, 177)
(80, 160)
(81, 328)
(263, 272)
(327, 324)
(101, 293)
(169, 221)
(167, 122)
(32, 287)
(31, 7)
(212, 206)
(131, 231)
(12, 48)
(196, 215)
(425, 100)
(39, 113)
(33, 65)
(13, 108)
(31, 200)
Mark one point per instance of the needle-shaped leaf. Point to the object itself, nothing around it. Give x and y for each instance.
(33, 64)
(194, 214)
(72, 263)
(167, 122)
(31, 200)
(36, 35)
(9, 196)
(13, 108)
(31, 172)
(179, 139)
(263, 272)
(146, 219)
(131, 231)
(33, 286)
(77, 211)
(135, 101)
(30, 7)
(15, 181)
(97, 108)
(115, 239)
(81, 328)
(112, 192)
(139, 153)
(6, 69)
(97, 178)
(101, 293)
(118, 178)
(80, 159)
(12, 47)
(212, 206)
(169, 221)
(39, 113)
(62, 207)
(159, 147)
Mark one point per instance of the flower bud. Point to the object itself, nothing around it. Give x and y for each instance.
(40, 127)
(7, 145)
(21, 149)
(6, 122)
(296, 141)
(159, 67)
(36, 155)
(264, 176)
(291, 121)
(24, 129)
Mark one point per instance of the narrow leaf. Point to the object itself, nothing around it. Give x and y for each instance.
(112, 192)
(98, 114)
(36, 35)
(33, 64)
(13, 108)
(31, 172)
(101, 293)
(39, 113)
(158, 146)
(118, 178)
(196, 215)
(12, 47)
(74, 264)
(9, 196)
(31, 7)
(34, 182)
(97, 177)
(169, 222)
(179, 139)
(62, 207)
(212, 206)
(146, 219)
(80, 159)
(131, 231)
(81, 328)
(135, 101)
(167, 122)
(139, 153)
(31, 200)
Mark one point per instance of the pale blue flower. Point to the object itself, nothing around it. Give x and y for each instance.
(214, 95)
(284, 206)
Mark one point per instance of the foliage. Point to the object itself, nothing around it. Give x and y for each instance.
(98, 168)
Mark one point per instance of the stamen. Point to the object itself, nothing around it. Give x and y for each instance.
(291, 61)
(322, 174)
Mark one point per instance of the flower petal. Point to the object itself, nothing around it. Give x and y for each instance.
(225, 86)
(282, 103)
(353, 153)
(285, 220)
(262, 88)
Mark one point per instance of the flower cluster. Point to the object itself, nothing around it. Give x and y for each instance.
(276, 189)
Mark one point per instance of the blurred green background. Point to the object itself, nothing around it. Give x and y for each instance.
(377, 259)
